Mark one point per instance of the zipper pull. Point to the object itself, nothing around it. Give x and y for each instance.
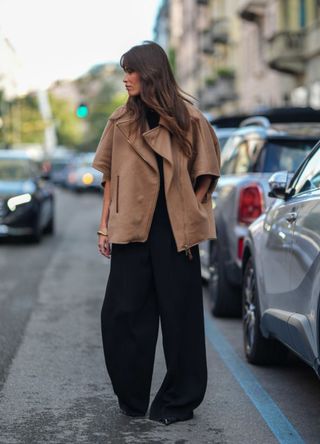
(188, 252)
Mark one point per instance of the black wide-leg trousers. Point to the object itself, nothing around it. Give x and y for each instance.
(149, 281)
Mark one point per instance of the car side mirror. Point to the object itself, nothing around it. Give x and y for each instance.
(278, 183)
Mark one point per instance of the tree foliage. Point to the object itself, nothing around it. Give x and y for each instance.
(68, 127)
(100, 108)
(21, 121)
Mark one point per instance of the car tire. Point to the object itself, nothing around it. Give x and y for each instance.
(258, 349)
(50, 226)
(225, 298)
(36, 235)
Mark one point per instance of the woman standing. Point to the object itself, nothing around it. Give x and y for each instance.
(160, 161)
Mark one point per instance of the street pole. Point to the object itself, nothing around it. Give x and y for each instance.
(50, 136)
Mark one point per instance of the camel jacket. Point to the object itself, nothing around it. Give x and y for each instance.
(127, 158)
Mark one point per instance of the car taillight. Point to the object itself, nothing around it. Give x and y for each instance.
(240, 247)
(250, 204)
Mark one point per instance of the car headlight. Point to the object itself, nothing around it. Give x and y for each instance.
(13, 202)
(87, 179)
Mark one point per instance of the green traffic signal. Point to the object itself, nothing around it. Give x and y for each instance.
(82, 111)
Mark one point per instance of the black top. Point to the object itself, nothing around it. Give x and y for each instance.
(153, 121)
(152, 118)
(161, 212)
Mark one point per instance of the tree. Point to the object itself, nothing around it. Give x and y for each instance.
(21, 121)
(69, 129)
(101, 106)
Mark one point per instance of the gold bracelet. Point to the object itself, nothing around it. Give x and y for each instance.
(103, 233)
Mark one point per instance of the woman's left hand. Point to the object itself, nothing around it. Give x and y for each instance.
(104, 246)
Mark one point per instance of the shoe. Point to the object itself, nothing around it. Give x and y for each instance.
(133, 415)
(127, 412)
(173, 419)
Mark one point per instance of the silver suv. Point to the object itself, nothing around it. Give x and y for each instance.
(281, 263)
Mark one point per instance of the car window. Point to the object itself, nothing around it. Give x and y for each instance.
(285, 155)
(15, 169)
(229, 155)
(309, 178)
(222, 141)
(241, 155)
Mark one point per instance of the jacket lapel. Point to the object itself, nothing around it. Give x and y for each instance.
(157, 139)
(137, 143)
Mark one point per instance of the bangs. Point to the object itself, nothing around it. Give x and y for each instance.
(128, 61)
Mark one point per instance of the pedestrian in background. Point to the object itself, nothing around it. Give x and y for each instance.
(160, 161)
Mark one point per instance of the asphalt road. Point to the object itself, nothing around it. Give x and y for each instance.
(53, 384)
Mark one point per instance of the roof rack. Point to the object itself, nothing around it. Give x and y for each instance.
(257, 121)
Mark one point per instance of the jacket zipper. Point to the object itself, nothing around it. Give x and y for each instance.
(186, 246)
(117, 196)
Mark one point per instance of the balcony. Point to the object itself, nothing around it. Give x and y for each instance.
(220, 30)
(286, 52)
(252, 10)
(206, 42)
(312, 44)
(222, 91)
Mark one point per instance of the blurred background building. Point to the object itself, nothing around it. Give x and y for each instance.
(9, 68)
(244, 54)
(231, 55)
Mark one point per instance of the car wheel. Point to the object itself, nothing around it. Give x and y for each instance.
(50, 226)
(257, 348)
(36, 235)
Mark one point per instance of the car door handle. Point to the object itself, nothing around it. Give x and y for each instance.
(291, 217)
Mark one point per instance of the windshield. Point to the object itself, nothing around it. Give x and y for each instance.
(15, 169)
(59, 165)
(285, 154)
(222, 141)
(85, 161)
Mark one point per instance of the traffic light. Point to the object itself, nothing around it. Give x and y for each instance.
(82, 111)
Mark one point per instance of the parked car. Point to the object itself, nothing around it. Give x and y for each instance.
(59, 164)
(223, 135)
(251, 155)
(281, 269)
(81, 176)
(26, 197)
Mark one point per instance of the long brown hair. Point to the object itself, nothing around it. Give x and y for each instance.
(159, 91)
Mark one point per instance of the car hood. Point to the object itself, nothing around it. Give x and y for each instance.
(87, 169)
(14, 188)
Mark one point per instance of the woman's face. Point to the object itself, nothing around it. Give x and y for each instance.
(132, 82)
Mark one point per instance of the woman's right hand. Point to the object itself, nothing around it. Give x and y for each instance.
(104, 245)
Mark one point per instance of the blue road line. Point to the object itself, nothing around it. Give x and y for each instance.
(280, 426)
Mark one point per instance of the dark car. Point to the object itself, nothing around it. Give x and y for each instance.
(26, 197)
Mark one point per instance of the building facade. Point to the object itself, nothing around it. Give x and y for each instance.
(245, 55)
